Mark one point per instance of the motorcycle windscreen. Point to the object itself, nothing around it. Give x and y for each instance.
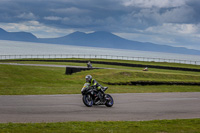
(85, 86)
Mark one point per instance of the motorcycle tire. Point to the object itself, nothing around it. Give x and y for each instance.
(109, 100)
(87, 100)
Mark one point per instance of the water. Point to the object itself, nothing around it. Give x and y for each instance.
(28, 48)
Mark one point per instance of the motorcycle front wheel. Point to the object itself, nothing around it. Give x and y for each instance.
(87, 100)
(109, 100)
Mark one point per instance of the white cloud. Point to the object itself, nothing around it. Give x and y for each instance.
(171, 28)
(24, 26)
(71, 10)
(38, 29)
(153, 3)
(53, 18)
(29, 15)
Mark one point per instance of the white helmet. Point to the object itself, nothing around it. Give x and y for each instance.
(88, 78)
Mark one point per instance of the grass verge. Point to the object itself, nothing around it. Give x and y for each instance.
(156, 126)
(31, 80)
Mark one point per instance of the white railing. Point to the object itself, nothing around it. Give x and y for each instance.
(85, 56)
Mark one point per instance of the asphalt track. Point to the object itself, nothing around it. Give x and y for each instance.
(127, 107)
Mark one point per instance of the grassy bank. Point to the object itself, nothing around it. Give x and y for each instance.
(156, 126)
(29, 80)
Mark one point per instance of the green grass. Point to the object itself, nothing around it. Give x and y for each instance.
(119, 67)
(114, 60)
(30, 80)
(126, 76)
(24, 80)
(156, 126)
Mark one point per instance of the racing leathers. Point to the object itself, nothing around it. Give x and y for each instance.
(98, 87)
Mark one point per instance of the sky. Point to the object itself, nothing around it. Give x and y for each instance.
(167, 22)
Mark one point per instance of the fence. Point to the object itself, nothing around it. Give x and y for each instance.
(55, 56)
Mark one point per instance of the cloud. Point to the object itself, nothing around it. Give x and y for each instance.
(25, 26)
(133, 18)
(29, 16)
(139, 14)
(153, 3)
(170, 28)
(38, 29)
(71, 11)
(185, 35)
(53, 18)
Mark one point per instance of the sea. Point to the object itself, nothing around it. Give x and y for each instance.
(17, 49)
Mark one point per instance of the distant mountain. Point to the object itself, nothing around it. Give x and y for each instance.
(96, 39)
(17, 36)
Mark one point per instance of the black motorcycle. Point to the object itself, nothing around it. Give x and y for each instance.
(92, 97)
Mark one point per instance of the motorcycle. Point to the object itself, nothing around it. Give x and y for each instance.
(92, 97)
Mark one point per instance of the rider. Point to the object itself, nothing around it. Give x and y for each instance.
(94, 84)
(89, 65)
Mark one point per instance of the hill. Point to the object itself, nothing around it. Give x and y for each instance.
(17, 36)
(96, 39)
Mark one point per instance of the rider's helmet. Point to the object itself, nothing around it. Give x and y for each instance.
(88, 78)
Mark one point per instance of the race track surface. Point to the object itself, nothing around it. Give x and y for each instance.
(127, 107)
